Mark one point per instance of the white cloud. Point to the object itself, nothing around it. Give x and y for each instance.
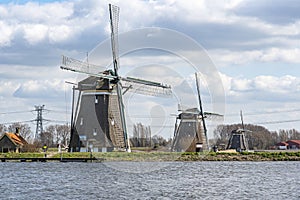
(50, 22)
(204, 11)
(285, 55)
(40, 89)
(241, 85)
(264, 88)
(7, 88)
(287, 85)
(6, 34)
(60, 33)
(227, 57)
(272, 29)
(35, 33)
(39, 13)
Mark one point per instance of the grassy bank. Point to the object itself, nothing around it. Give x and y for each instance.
(244, 156)
(168, 156)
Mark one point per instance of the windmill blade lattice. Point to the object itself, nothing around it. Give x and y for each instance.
(210, 115)
(74, 65)
(114, 25)
(146, 87)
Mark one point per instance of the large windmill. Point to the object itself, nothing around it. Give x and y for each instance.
(190, 132)
(237, 138)
(98, 121)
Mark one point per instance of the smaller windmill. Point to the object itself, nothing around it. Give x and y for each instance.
(237, 138)
(98, 122)
(190, 133)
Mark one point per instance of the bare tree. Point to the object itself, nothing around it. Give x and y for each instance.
(222, 134)
(24, 130)
(51, 129)
(60, 133)
(141, 129)
(294, 134)
(135, 138)
(159, 140)
(148, 136)
(63, 132)
(46, 138)
(141, 135)
(3, 129)
(285, 135)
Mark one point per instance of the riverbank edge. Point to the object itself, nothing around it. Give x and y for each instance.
(164, 156)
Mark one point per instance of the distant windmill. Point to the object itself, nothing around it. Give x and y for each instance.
(191, 134)
(98, 121)
(237, 138)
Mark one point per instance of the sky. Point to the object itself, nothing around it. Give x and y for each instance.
(253, 45)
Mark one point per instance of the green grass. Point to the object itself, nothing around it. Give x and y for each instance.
(22, 155)
(166, 156)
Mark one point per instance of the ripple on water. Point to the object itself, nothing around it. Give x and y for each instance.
(174, 180)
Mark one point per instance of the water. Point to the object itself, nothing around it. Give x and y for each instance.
(174, 180)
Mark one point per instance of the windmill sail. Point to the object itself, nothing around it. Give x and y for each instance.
(114, 26)
(146, 87)
(135, 85)
(80, 66)
(201, 109)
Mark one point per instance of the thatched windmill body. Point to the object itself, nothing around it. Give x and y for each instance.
(237, 138)
(190, 133)
(98, 119)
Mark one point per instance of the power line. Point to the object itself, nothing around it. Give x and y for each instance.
(34, 120)
(14, 112)
(58, 121)
(279, 122)
(18, 122)
(266, 112)
(58, 111)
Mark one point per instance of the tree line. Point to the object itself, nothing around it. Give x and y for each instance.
(142, 137)
(258, 137)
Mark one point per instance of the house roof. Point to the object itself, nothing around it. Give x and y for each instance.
(294, 142)
(282, 144)
(15, 138)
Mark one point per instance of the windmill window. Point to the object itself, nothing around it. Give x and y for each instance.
(96, 99)
(95, 132)
(81, 121)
